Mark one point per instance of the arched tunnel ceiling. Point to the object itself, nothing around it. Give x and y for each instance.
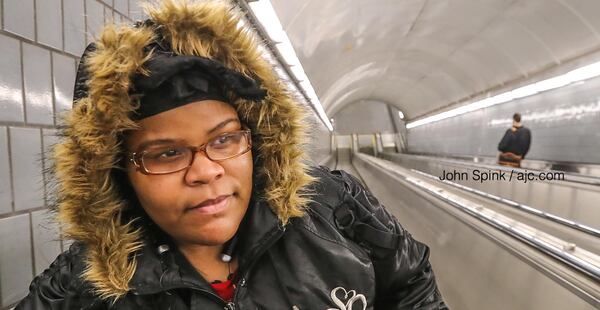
(422, 55)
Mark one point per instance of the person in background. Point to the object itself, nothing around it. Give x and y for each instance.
(514, 144)
(183, 181)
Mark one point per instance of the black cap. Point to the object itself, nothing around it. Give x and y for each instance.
(174, 80)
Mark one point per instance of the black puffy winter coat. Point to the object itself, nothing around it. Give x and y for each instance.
(346, 253)
(311, 239)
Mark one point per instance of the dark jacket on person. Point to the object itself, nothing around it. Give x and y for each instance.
(311, 239)
(360, 259)
(516, 140)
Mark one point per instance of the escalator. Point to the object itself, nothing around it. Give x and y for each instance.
(486, 254)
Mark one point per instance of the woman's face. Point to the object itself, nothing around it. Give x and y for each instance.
(175, 201)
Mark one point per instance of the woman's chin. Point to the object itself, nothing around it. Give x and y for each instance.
(216, 235)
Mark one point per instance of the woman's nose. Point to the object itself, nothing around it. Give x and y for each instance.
(203, 170)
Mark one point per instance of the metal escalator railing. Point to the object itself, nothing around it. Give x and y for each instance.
(571, 224)
(490, 164)
(584, 261)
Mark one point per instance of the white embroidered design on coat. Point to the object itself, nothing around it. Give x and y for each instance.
(349, 297)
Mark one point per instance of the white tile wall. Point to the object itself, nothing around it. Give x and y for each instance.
(5, 189)
(46, 243)
(63, 79)
(11, 86)
(49, 23)
(74, 20)
(40, 43)
(26, 163)
(135, 12)
(122, 6)
(108, 16)
(18, 18)
(16, 270)
(95, 18)
(37, 84)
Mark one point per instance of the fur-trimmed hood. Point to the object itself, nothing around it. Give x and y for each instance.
(90, 202)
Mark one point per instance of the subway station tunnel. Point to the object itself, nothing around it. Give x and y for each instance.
(410, 96)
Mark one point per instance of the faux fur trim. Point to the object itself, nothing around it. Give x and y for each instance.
(88, 202)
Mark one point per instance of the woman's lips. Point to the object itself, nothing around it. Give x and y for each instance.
(217, 206)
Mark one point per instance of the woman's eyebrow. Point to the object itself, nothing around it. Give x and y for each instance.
(222, 124)
(148, 143)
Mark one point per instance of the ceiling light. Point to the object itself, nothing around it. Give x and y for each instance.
(264, 12)
(574, 76)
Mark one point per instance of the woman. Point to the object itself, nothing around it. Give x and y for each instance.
(182, 181)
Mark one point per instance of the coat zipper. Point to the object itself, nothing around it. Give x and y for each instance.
(226, 305)
(242, 280)
(229, 306)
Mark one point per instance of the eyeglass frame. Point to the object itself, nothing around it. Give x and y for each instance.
(195, 149)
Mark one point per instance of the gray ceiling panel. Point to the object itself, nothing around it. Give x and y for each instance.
(424, 55)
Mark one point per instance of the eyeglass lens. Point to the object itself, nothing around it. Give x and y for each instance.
(173, 158)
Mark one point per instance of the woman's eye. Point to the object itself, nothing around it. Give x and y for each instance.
(169, 153)
(223, 139)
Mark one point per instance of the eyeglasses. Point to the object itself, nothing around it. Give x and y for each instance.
(170, 159)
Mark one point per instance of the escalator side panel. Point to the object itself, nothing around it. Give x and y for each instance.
(473, 271)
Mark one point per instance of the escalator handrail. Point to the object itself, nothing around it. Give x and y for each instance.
(531, 210)
(575, 262)
(568, 177)
(547, 163)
